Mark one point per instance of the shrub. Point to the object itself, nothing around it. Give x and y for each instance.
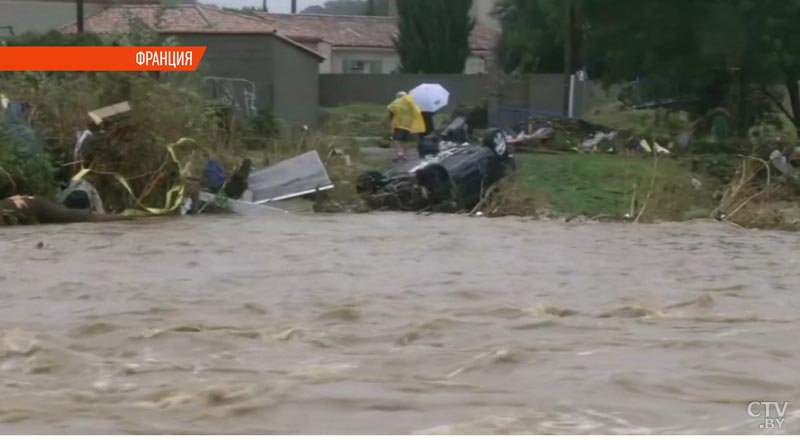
(21, 172)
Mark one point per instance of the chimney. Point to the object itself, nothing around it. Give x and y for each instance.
(294, 6)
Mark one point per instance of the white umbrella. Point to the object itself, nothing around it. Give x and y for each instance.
(430, 97)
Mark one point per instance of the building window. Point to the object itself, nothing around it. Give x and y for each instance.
(362, 66)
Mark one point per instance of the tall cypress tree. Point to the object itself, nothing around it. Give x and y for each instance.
(433, 35)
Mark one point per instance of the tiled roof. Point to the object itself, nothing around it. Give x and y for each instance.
(103, 2)
(199, 19)
(355, 31)
(336, 30)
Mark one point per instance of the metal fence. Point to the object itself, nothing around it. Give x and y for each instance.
(238, 93)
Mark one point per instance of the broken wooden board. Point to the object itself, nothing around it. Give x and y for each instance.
(104, 114)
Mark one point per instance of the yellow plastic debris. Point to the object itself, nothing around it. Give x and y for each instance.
(175, 194)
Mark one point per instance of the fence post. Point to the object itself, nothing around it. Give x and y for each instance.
(571, 110)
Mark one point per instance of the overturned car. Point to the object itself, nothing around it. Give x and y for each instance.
(452, 179)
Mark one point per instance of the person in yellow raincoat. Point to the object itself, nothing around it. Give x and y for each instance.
(406, 121)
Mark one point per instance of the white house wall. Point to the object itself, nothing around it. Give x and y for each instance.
(390, 61)
(475, 65)
(325, 49)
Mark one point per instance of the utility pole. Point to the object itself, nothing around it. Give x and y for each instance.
(79, 7)
(569, 56)
(294, 6)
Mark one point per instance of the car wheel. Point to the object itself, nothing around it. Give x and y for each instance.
(495, 140)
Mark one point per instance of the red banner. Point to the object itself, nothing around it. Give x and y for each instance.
(101, 58)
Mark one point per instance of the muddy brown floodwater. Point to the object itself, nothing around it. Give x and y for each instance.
(394, 323)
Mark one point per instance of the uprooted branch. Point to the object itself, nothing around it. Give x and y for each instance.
(742, 191)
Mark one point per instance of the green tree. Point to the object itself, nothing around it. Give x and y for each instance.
(433, 35)
(774, 47)
(532, 39)
(665, 45)
(724, 52)
(720, 52)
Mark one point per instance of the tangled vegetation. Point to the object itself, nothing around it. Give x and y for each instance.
(135, 148)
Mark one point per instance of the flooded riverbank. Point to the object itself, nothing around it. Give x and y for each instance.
(393, 323)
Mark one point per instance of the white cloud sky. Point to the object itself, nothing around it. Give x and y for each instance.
(272, 5)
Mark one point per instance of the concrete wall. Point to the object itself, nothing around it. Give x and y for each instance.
(285, 77)
(542, 93)
(509, 98)
(296, 79)
(390, 60)
(589, 95)
(39, 16)
(380, 89)
(516, 98)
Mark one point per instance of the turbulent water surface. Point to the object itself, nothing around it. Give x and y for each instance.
(393, 323)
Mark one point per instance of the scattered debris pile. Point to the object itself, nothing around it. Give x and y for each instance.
(559, 133)
(127, 141)
(763, 193)
(787, 163)
(300, 176)
(566, 134)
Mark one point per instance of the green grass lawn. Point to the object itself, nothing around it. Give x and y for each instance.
(596, 184)
(364, 120)
(356, 120)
